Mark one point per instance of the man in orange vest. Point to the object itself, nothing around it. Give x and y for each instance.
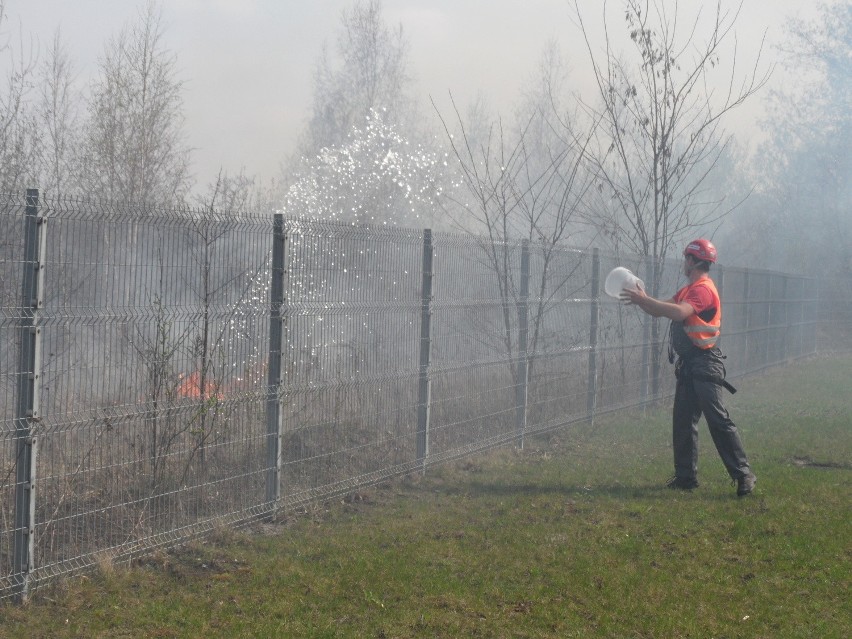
(696, 315)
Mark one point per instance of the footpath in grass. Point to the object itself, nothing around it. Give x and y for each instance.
(572, 537)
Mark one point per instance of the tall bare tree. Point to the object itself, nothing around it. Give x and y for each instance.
(135, 148)
(58, 121)
(369, 72)
(661, 133)
(18, 136)
(18, 131)
(805, 165)
(520, 182)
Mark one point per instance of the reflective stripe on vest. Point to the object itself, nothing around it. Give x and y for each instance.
(703, 334)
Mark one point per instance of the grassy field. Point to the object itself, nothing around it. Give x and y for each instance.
(572, 537)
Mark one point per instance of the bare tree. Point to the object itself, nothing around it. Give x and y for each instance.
(520, 183)
(58, 121)
(18, 132)
(805, 165)
(228, 197)
(369, 73)
(229, 194)
(135, 148)
(660, 133)
(17, 157)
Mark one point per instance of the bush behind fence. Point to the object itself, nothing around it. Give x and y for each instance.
(166, 371)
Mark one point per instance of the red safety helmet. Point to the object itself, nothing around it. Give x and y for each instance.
(701, 249)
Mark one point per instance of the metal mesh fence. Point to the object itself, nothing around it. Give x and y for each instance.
(156, 388)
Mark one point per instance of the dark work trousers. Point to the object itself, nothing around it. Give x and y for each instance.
(696, 395)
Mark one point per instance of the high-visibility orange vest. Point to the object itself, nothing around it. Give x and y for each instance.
(702, 334)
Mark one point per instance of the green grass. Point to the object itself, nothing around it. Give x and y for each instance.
(572, 537)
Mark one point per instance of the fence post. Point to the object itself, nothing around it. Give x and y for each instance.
(808, 286)
(647, 322)
(277, 315)
(785, 306)
(522, 385)
(592, 394)
(814, 319)
(768, 332)
(424, 387)
(29, 391)
(747, 367)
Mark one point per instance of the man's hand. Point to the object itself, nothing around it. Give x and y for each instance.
(635, 296)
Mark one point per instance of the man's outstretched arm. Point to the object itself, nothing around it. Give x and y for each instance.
(675, 311)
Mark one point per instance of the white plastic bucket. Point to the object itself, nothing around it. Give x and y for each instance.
(620, 278)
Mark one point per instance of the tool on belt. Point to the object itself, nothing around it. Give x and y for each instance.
(682, 373)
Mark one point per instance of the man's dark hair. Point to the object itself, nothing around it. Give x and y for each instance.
(701, 265)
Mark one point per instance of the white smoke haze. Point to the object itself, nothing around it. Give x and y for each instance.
(249, 73)
(248, 67)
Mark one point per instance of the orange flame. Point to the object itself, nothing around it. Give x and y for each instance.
(190, 386)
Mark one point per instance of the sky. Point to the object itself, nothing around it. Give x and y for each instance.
(247, 65)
